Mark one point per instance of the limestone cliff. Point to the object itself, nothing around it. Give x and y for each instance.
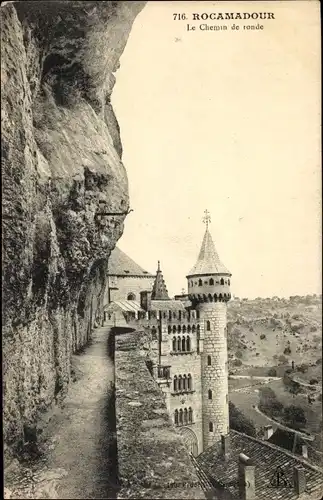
(61, 168)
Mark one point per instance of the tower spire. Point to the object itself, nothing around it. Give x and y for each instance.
(159, 291)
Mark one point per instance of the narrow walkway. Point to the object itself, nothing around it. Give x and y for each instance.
(81, 462)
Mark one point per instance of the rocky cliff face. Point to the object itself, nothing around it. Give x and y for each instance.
(62, 181)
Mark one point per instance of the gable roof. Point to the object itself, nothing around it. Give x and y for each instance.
(119, 264)
(266, 458)
(208, 261)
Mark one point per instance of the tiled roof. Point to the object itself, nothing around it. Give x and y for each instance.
(159, 291)
(266, 457)
(120, 264)
(167, 305)
(125, 305)
(208, 261)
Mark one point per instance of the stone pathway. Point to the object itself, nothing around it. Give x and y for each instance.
(82, 444)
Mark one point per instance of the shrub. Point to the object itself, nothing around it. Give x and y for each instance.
(272, 372)
(262, 336)
(238, 354)
(269, 403)
(314, 381)
(313, 328)
(237, 362)
(282, 359)
(318, 361)
(294, 416)
(302, 368)
(287, 350)
(239, 422)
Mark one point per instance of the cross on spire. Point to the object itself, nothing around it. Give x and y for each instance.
(207, 218)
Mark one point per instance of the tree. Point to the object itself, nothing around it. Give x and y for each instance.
(294, 416)
(272, 372)
(239, 422)
(238, 354)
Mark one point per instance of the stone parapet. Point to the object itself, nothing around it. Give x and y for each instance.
(152, 459)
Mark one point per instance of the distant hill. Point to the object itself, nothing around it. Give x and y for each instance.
(270, 332)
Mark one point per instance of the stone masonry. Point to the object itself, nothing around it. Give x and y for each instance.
(214, 373)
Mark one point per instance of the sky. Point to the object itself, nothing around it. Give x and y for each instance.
(227, 121)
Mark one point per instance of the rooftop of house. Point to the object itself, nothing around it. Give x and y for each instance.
(124, 305)
(167, 305)
(119, 264)
(267, 458)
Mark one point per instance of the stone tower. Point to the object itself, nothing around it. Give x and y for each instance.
(209, 292)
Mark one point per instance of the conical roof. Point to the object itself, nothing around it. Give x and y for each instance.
(208, 261)
(159, 291)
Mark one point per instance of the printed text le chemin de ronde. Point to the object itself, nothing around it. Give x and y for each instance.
(223, 16)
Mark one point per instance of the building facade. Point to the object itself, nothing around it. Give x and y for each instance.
(190, 348)
(126, 279)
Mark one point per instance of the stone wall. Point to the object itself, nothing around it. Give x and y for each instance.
(152, 459)
(215, 374)
(61, 167)
(127, 284)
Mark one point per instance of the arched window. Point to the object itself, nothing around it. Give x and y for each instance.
(197, 314)
(184, 329)
(174, 329)
(193, 329)
(184, 383)
(211, 281)
(209, 361)
(211, 426)
(208, 326)
(169, 329)
(179, 344)
(209, 394)
(176, 417)
(179, 315)
(131, 296)
(185, 416)
(198, 343)
(175, 383)
(174, 344)
(229, 282)
(180, 383)
(189, 382)
(183, 344)
(169, 314)
(190, 414)
(221, 281)
(188, 344)
(200, 282)
(180, 416)
(188, 328)
(154, 333)
(179, 328)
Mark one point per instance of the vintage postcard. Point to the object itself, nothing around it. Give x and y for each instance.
(162, 306)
